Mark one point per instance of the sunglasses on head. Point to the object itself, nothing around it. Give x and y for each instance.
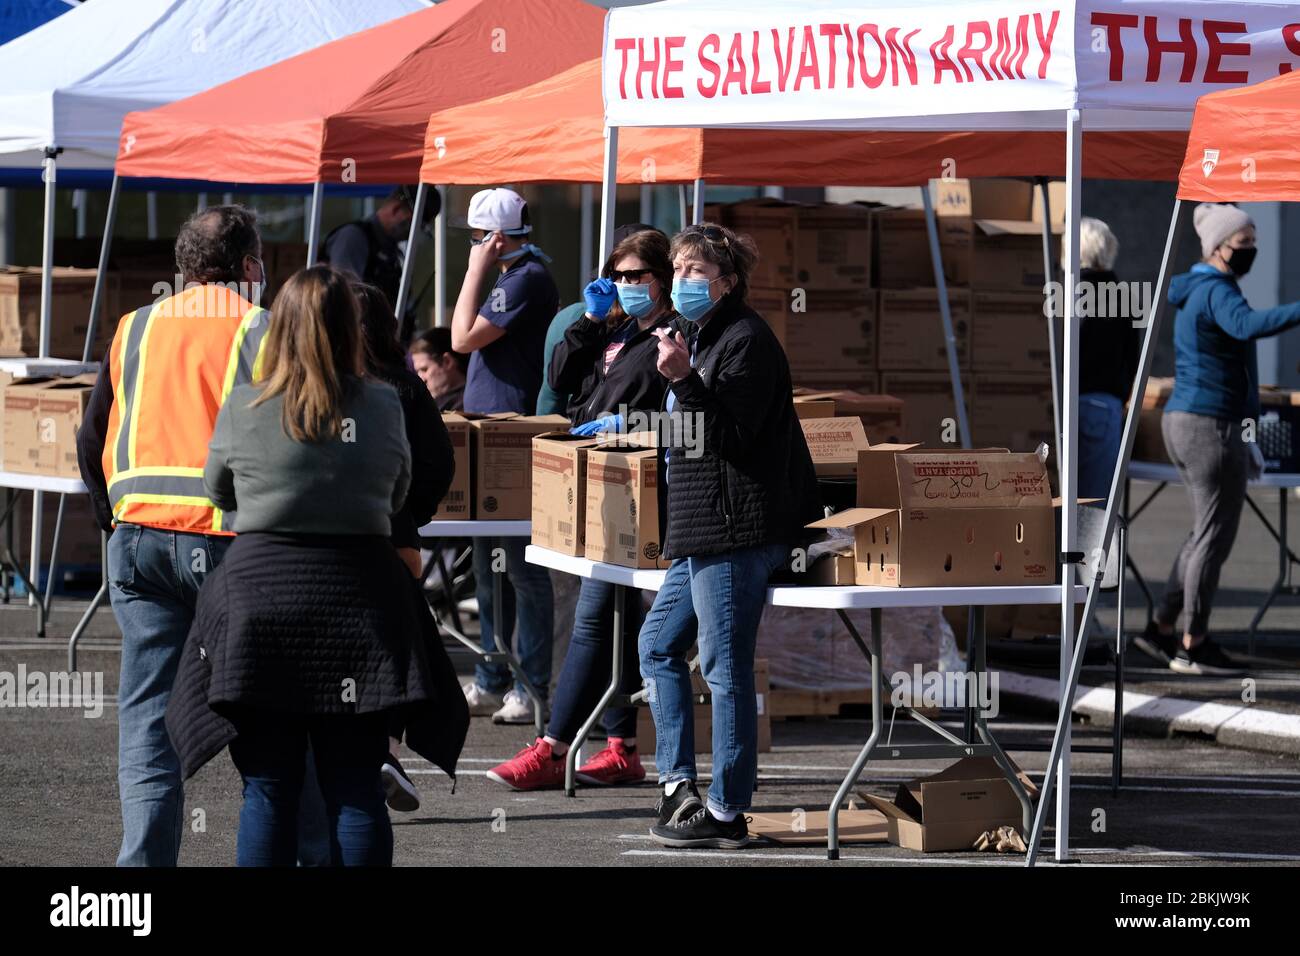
(715, 236)
(630, 275)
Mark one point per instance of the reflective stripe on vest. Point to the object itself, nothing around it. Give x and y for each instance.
(164, 484)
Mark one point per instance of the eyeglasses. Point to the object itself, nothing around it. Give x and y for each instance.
(633, 276)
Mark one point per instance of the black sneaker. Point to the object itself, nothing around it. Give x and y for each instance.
(702, 830)
(398, 788)
(1205, 658)
(683, 804)
(1157, 646)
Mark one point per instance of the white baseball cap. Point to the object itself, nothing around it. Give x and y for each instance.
(499, 210)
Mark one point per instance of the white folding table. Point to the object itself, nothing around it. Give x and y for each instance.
(840, 600)
(503, 654)
(1165, 474)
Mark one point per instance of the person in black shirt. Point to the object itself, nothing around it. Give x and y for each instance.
(370, 249)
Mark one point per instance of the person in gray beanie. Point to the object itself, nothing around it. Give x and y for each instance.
(1209, 429)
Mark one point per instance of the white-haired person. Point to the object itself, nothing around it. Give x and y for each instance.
(1205, 425)
(1109, 348)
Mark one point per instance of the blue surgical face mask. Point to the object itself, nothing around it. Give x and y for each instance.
(635, 299)
(691, 298)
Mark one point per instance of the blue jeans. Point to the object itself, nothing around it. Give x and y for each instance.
(154, 579)
(1101, 426)
(348, 751)
(526, 593)
(586, 670)
(721, 596)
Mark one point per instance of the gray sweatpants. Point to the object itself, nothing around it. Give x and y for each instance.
(1213, 461)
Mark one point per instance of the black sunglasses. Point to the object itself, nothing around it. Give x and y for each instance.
(714, 236)
(631, 275)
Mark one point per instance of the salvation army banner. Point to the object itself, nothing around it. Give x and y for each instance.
(846, 64)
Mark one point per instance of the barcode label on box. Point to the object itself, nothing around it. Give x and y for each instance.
(627, 541)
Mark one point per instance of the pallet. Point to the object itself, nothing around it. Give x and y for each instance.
(786, 702)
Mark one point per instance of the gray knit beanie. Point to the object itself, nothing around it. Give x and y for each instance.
(1216, 223)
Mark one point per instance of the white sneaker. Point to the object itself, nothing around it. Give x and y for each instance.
(517, 709)
(481, 702)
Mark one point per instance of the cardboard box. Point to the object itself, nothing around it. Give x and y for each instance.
(771, 224)
(901, 257)
(832, 247)
(502, 451)
(881, 415)
(703, 715)
(996, 199)
(834, 444)
(457, 504)
(807, 407)
(809, 827)
(1012, 410)
(929, 518)
(1009, 333)
(830, 564)
(991, 232)
(622, 523)
(949, 810)
(911, 330)
(832, 340)
(560, 491)
(42, 418)
(71, 293)
(930, 408)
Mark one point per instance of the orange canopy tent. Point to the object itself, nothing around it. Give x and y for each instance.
(355, 110)
(1242, 144)
(553, 131)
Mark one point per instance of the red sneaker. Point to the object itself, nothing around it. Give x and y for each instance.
(614, 765)
(533, 768)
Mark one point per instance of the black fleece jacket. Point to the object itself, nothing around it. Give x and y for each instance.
(578, 369)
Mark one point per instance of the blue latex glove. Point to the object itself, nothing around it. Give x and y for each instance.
(599, 296)
(609, 423)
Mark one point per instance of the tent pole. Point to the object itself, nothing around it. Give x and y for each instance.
(404, 284)
(440, 260)
(647, 210)
(945, 312)
(1152, 319)
(698, 212)
(586, 233)
(1051, 319)
(681, 206)
(1069, 463)
(313, 222)
(608, 189)
(151, 214)
(50, 174)
(96, 300)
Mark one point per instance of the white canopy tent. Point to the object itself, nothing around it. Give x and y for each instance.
(941, 65)
(68, 84)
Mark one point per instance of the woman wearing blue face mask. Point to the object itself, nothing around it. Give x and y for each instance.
(607, 362)
(739, 490)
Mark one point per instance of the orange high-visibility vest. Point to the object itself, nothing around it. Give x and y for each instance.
(172, 366)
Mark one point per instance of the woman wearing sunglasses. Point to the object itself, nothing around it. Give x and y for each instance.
(607, 363)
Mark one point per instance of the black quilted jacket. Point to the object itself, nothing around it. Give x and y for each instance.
(314, 625)
(754, 483)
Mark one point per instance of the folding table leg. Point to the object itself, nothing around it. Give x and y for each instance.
(978, 668)
(616, 677)
(8, 557)
(877, 721)
(95, 604)
(1283, 569)
(1117, 740)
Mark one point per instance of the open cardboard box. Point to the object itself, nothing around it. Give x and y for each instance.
(949, 810)
(949, 518)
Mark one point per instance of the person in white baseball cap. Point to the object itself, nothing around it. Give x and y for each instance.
(504, 334)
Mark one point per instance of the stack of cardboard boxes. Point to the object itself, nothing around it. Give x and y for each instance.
(71, 292)
(850, 291)
(494, 467)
